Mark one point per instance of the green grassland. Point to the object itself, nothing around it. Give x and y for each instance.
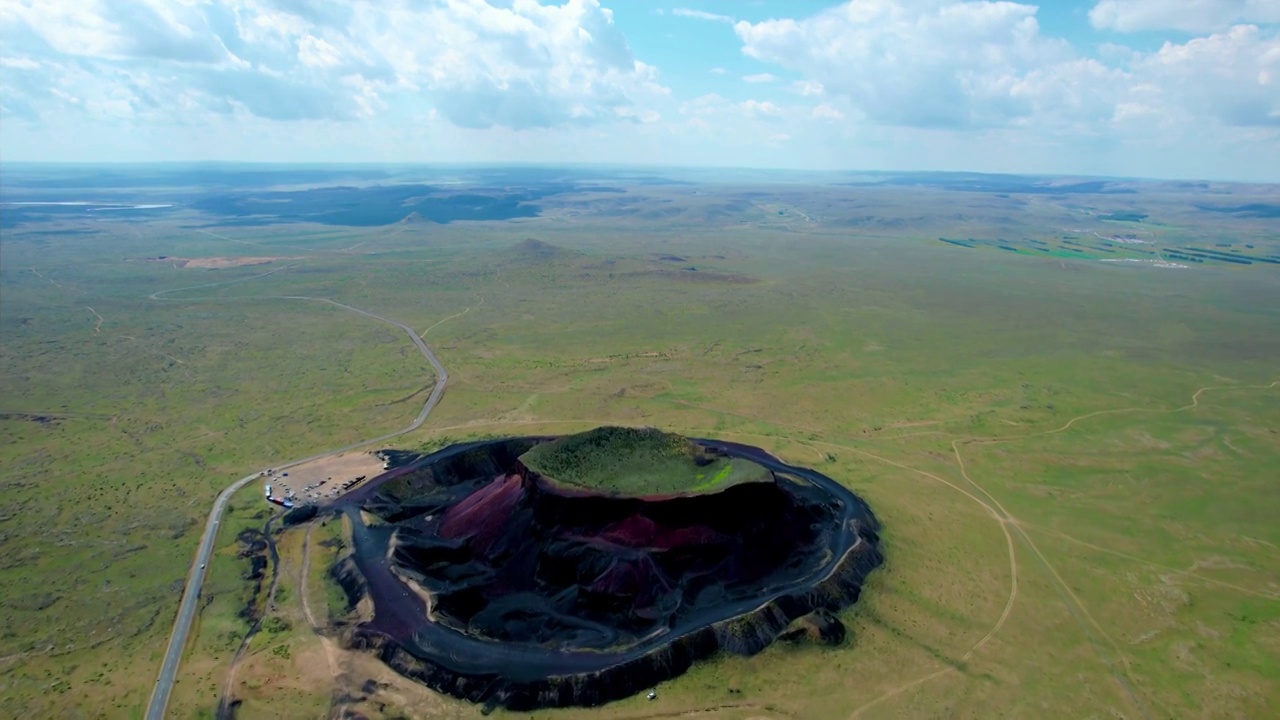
(1075, 462)
(629, 462)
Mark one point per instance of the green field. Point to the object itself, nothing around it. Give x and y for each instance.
(638, 461)
(1075, 462)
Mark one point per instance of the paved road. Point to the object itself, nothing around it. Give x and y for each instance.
(195, 578)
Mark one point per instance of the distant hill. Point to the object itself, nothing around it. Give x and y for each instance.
(532, 251)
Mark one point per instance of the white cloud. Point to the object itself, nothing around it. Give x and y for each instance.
(1195, 16)
(647, 117)
(117, 30)
(913, 63)
(519, 65)
(747, 129)
(1082, 93)
(1126, 112)
(888, 83)
(19, 63)
(317, 53)
(726, 112)
(826, 112)
(703, 15)
(807, 87)
(972, 65)
(529, 65)
(1231, 76)
(704, 105)
(759, 108)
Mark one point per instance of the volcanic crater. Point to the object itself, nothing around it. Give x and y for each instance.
(537, 572)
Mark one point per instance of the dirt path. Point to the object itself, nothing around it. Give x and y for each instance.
(442, 321)
(917, 423)
(330, 652)
(1075, 606)
(157, 294)
(1072, 602)
(97, 326)
(898, 690)
(718, 411)
(188, 606)
(97, 330)
(37, 272)
(348, 250)
(229, 684)
(773, 709)
(1089, 625)
(345, 251)
(1195, 399)
(1179, 571)
(195, 579)
(1013, 578)
(1005, 519)
(250, 242)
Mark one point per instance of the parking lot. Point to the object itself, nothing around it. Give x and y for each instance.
(322, 480)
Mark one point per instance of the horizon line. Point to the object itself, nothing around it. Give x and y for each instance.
(600, 165)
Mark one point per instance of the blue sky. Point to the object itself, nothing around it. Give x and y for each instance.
(1157, 88)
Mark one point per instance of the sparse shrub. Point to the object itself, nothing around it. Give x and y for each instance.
(275, 625)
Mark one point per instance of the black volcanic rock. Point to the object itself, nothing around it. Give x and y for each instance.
(494, 584)
(819, 626)
(299, 515)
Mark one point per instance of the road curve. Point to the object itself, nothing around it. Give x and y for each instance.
(195, 577)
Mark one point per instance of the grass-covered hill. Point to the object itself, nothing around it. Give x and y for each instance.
(621, 461)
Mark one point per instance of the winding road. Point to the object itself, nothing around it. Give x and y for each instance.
(195, 578)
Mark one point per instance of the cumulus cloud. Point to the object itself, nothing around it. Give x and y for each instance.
(1194, 16)
(720, 121)
(1233, 76)
(703, 15)
(826, 112)
(115, 30)
(19, 63)
(704, 105)
(970, 65)
(807, 87)
(519, 65)
(317, 52)
(759, 108)
(915, 63)
(964, 79)
(1081, 92)
(529, 65)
